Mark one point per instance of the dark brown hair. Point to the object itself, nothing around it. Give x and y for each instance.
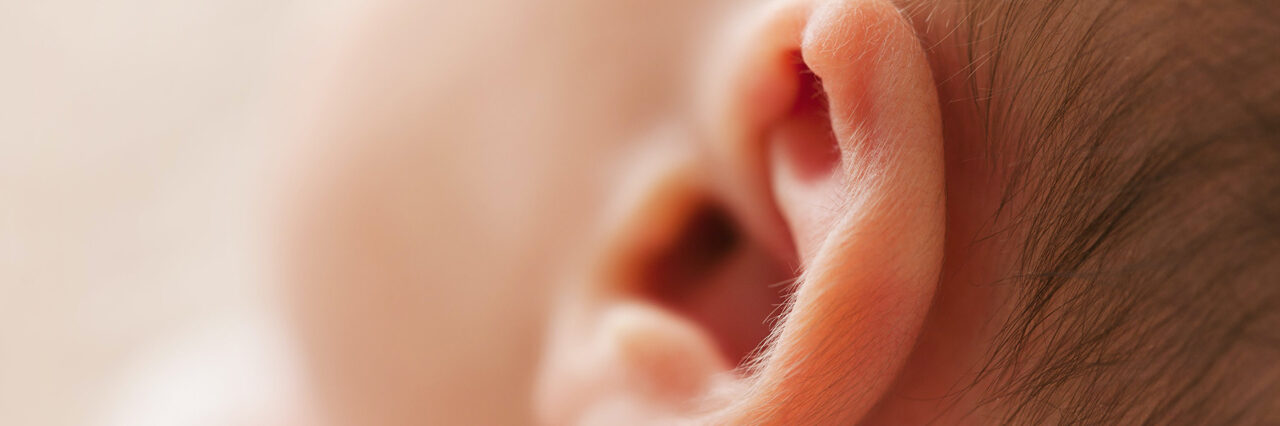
(1137, 142)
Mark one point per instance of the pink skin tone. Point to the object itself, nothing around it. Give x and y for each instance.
(461, 203)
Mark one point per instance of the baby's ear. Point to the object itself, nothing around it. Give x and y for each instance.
(823, 128)
(824, 119)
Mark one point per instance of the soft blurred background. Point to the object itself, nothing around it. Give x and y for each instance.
(449, 156)
(133, 141)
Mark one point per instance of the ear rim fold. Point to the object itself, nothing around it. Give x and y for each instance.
(872, 253)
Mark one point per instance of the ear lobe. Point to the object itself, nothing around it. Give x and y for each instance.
(855, 166)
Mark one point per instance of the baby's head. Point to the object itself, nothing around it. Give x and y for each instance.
(816, 211)
(1135, 147)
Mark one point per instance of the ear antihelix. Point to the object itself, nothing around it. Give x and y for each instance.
(804, 160)
(865, 126)
(803, 138)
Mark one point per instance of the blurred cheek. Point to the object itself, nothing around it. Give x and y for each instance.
(442, 195)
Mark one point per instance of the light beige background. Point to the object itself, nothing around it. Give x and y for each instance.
(133, 142)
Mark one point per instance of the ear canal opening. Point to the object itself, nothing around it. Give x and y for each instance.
(719, 278)
(704, 243)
